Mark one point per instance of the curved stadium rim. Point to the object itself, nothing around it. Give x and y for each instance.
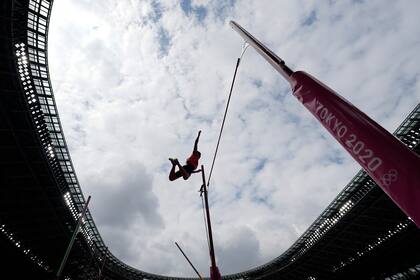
(49, 130)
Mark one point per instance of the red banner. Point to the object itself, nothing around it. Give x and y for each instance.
(393, 166)
(215, 273)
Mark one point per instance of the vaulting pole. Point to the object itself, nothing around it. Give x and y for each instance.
(188, 260)
(73, 238)
(214, 271)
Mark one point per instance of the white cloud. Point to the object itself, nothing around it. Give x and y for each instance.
(239, 250)
(126, 107)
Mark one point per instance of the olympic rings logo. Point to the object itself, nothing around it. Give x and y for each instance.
(390, 177)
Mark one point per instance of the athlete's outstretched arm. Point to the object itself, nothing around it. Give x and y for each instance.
(196, 141)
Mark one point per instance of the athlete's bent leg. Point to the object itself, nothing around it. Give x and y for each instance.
(184, 173)
(174, 175)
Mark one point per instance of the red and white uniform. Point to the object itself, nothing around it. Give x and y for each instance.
(193, 160)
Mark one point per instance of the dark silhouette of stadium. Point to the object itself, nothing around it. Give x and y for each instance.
(360, 235)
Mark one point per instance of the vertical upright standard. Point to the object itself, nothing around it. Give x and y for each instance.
(391, 164)
(103, 264)
(76, 230)
(214, 271)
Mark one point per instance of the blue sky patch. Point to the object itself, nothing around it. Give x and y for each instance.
(200, 12)
(257, 83)
(186, 6)
(310, 19)
(164, 41)
(157, 11)
(260, 165)
(261, 200)
(223, 10)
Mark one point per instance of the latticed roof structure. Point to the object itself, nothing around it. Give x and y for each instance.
(360, 235)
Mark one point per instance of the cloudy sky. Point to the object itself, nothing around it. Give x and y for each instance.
(135, 80)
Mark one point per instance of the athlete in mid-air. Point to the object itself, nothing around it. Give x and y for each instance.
(190, 167)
